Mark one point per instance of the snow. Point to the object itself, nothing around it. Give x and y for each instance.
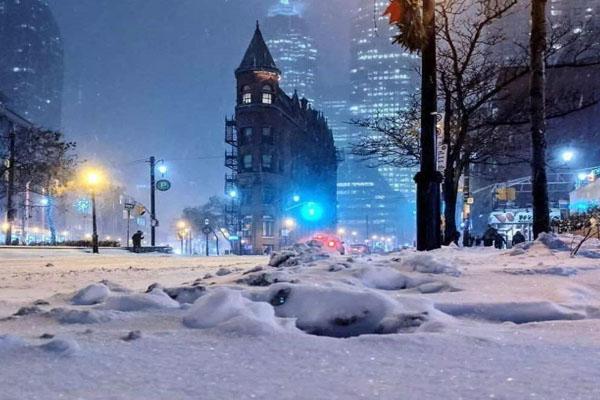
(454, 323)
(90, 295)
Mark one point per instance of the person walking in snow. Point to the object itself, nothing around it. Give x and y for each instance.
(489, 236)
(518, 238)
(137, 241)
(499, 241)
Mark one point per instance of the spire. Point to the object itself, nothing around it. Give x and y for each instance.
(258, 57)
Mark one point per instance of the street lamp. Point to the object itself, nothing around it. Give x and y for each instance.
(93, 179)
(568, 155)
(162, 169)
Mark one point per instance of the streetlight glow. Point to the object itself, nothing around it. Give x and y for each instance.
(163, 169)
(568, 155)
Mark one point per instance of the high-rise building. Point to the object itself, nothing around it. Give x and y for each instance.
(31, 74)
(292, 47)
(383, 81)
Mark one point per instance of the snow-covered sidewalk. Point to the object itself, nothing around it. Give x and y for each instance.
(451, 324)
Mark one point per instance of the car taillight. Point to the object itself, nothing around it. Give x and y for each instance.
(331, 243)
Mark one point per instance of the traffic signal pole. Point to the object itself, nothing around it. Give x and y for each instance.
(428, 179)
(152, 201)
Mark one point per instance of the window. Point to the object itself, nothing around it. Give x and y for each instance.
(268, 226)
(247, 162)
(267, 162)
(268, 195)
(247, 98)
(246, 136)
(267, 136)
(267, 98)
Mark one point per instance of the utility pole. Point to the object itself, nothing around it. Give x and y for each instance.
(152, 201)
(428, 179)
(10, 187)
(94, 224)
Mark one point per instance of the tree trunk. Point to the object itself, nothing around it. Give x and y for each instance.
(450, 199)
(428, 179)
(539, 179)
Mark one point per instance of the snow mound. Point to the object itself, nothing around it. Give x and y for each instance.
(343, 311)
(156, 299)
(61, 347)
(90, 295)
(228, 310)
(298, 254)
(519, 313)
(550, 241)
(11, 343)
(185, 294)
(558, 271)
(427, 264)
(383, 278)
(67, 316)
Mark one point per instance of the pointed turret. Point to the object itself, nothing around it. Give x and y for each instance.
(258, 57)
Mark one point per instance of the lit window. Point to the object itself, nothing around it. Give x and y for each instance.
(267, 98)
(247, 226)
(247, 98)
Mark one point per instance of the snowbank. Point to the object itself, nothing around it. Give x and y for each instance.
(341, 311)
(519, 313)
(156, 299)
(428, 264)
(228, 310)
(90, 295)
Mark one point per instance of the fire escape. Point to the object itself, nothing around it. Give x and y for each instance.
(232, 207)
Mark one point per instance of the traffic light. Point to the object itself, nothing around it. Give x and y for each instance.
(311, 212)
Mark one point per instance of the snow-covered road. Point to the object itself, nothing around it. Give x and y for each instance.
(458, 324)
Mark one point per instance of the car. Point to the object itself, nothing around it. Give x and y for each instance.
(330, 243)
(359, 249)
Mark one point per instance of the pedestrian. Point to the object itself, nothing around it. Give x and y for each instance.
(137, 241)
(499, 241)
(489, 236)
(518, 238)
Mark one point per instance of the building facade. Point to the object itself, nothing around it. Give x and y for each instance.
(283, 160)
(293, 48)
(31, 74)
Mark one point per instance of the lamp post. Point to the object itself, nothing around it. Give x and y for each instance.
(93, 179)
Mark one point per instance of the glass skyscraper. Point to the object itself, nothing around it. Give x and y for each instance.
(292, 47)
(31, 74)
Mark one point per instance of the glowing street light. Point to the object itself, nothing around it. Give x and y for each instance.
(233, 194)
(568, 155)
(93, 178)
(5, 227)
(162, 169)
(296, 198)
(341, 231)
(289, 223)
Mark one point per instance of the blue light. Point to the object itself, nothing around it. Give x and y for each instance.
(296, 198)
(582, 176)
(233, 194)
(311, 212)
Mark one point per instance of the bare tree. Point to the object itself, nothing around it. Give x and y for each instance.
(474, 81)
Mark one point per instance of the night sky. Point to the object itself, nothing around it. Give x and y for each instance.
(155, 77)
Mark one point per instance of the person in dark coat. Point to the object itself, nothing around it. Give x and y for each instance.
(137, 241)
(499, 241)
(489, 236)
(518, 238)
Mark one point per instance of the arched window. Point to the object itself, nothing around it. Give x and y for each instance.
(267, 96)
(246, 94)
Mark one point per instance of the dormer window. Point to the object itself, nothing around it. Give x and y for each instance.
(267, 96)
(246, 95)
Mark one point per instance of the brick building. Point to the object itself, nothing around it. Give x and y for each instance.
(283, 160)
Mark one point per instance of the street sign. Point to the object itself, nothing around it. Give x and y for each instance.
(233, 238)
(129, 206)
(163, 185)
(207, 230)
